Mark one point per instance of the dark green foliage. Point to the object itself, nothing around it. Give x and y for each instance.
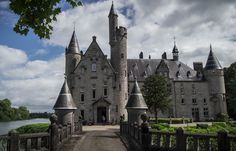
(230, 85)
(40, 115)
(37, 15)
(172, 120)
(156, 93)
(8, 113)
(33, 128)
(216, 127)
(221, 117)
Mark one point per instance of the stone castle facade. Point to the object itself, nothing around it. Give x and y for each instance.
(100, 86)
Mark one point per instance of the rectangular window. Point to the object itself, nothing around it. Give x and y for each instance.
(193, 89)
(105, 91)
(182, 101)
(82, 114)
(116, 108)
(94, 67)
(205, 112)
(194, 101)
(94, 93)
(82, 97)
(204, 101)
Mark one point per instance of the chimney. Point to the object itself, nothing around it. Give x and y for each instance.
(141, 55)
(164, 56)
(149, 57)
(198, 66)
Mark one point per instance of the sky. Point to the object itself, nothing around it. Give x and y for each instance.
(32, 69)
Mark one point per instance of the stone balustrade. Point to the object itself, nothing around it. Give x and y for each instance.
(146, 139)
(48, 141)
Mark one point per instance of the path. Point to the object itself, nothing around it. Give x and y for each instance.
(100, 138)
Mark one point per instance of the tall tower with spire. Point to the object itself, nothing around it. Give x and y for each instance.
(118, 45)
(214, 74)
(73, 55)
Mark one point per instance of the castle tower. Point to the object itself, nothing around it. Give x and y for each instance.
(175, 52)
(65, 106)
(118, 44)
(136, 106)
(73, 55)
(214, 74)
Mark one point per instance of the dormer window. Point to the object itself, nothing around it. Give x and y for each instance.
(177, 74)
(94, 67)
(188, 74)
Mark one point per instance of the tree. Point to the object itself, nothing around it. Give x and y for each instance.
(37, 15)
(230, 86)
(156, 94)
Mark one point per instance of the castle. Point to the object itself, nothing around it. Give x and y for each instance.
(100, 86)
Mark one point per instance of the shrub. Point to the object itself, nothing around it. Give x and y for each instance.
(204, 126)
(222, 117)
(33, 128)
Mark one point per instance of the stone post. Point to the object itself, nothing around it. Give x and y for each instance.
(145, 136)
(14, 141)
(223, 141)
(53, 133)
(180, 140)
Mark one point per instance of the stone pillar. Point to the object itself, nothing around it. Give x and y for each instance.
(145, 136)
(53, 133)
(223, 141)
(180, 140)
(14, 141)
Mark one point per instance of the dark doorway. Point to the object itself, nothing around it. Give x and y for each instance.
(195, 114)
(101, 115)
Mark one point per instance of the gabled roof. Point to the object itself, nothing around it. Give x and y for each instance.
(73, 45)
(65, 100)
(136, 100)
(102, 99)
(212, 61)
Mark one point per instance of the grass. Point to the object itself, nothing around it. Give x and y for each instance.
(33, 128)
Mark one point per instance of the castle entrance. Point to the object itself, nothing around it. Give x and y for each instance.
(101, 114)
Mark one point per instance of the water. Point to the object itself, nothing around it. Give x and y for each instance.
(5, 127)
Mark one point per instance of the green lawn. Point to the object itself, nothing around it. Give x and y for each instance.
(33, 128)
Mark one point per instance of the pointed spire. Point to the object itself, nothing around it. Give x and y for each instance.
(212, 61)
(74, 45)
(65, 100)
(175, 49)
(136, 100)
(112, 10)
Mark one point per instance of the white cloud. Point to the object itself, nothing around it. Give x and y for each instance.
(41, 52)
(30, 83)
(153, 24)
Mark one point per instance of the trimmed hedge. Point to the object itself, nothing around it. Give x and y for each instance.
(201, 129)
(172, 120)
(33, 128)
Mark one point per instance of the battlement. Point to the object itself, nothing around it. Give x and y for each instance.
(121, 31)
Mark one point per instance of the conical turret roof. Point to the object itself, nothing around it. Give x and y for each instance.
(212, 61)
(73, 45)
(112, 10)
(65, 100)
(136, 100)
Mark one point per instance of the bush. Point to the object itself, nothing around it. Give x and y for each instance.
(203, 126)
(222, 117)
(33, 128)
(172, 120)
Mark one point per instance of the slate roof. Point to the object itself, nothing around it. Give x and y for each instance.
(136, 100)
(112, 10)
(65, 100)
(212, 61)
(180, 71)
(73, 45)
(141, 68)
(175, 49)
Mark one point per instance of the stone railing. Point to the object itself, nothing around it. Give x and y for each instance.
(48, 141)
(147, 139)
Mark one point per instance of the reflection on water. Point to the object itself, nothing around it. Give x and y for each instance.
(7, 126)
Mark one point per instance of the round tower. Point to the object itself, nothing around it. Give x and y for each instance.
(65, 106)
(73, 55)
(120, 67)
(214, 74)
